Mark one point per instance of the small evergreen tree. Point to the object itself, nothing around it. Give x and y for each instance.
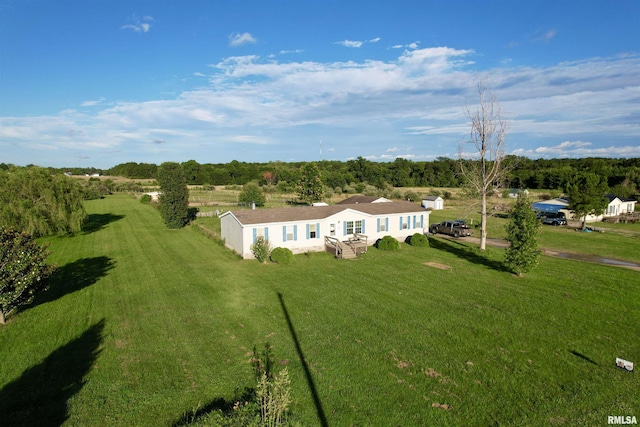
(23, 270)
(174, 199)
(522, 230)
(252, 193)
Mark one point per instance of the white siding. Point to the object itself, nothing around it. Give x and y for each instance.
(241, 238)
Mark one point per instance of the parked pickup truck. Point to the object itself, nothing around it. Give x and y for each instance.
(452, 228)
(553, 218)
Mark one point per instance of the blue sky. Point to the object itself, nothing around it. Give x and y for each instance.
(103, 82)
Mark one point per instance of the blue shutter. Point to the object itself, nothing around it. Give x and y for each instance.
(414, 221)
(317, 230)
(295, 232)
(266, 233)
(284, 233)
(378, 225)
(308, 231)
(363, 230)
(344, 228)
(400, 223)
(255, 234)
(408, 222)
(422, 220)
(386, 223)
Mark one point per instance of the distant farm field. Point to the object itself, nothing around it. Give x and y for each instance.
(143, 325)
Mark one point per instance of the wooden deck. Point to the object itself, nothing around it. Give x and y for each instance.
(346, 249)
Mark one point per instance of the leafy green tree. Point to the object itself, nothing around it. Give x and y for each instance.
(587, 195)
(174, 197)
(522, 231)
(23, 270)
(37, 203)
(309, 186)
(252, 193)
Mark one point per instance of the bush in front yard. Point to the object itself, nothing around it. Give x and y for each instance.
(388, 243)
(419, 240)
(281, 256)
(261, 249)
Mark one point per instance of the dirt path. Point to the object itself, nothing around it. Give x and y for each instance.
(595, 259)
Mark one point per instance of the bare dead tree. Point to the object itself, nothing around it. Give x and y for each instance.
(483, 169)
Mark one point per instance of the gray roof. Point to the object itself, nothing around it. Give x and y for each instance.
(431, 198)
(359, 199)
(309, 213)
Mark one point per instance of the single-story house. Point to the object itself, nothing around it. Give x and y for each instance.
(551, 205)
(513, 192)
(619, 205)
(434, 202)
(314, 228)
(354, 200)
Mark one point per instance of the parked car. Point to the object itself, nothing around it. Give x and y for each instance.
(554, 218)
(451, 228)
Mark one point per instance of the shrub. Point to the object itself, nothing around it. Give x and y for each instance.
(388, 243)
(419, 240)
(146, 198)
(412, 196)
(281, 256)
(261, 249)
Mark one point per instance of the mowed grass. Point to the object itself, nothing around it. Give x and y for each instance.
(143, 325)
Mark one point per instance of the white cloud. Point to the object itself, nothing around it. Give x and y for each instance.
(416, 99)
(545, 37)
(284, 52)
(93, 103)
(238, 39)
(350, 43)
(357, 43)
(139, 27)
(579, 149)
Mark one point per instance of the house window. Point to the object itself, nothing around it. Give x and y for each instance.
(417, 222)
(289, 232)
(383, 226)
(313, 233)
(332, 229)
(404, 223)
(349, 227)
(358, 227)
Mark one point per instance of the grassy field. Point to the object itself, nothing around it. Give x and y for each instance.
(143, 325)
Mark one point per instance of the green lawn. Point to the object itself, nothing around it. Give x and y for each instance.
(143, 324)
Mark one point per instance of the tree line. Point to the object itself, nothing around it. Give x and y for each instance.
(621, 175)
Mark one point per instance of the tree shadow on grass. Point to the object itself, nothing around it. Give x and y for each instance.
(39, 396)
(96, 222)
(226, 407)
(73, 277)
(465, 252)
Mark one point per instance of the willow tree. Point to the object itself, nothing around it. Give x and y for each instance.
(40, 204)
(482, 168)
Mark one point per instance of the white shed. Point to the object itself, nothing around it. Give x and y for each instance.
(435, 203)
